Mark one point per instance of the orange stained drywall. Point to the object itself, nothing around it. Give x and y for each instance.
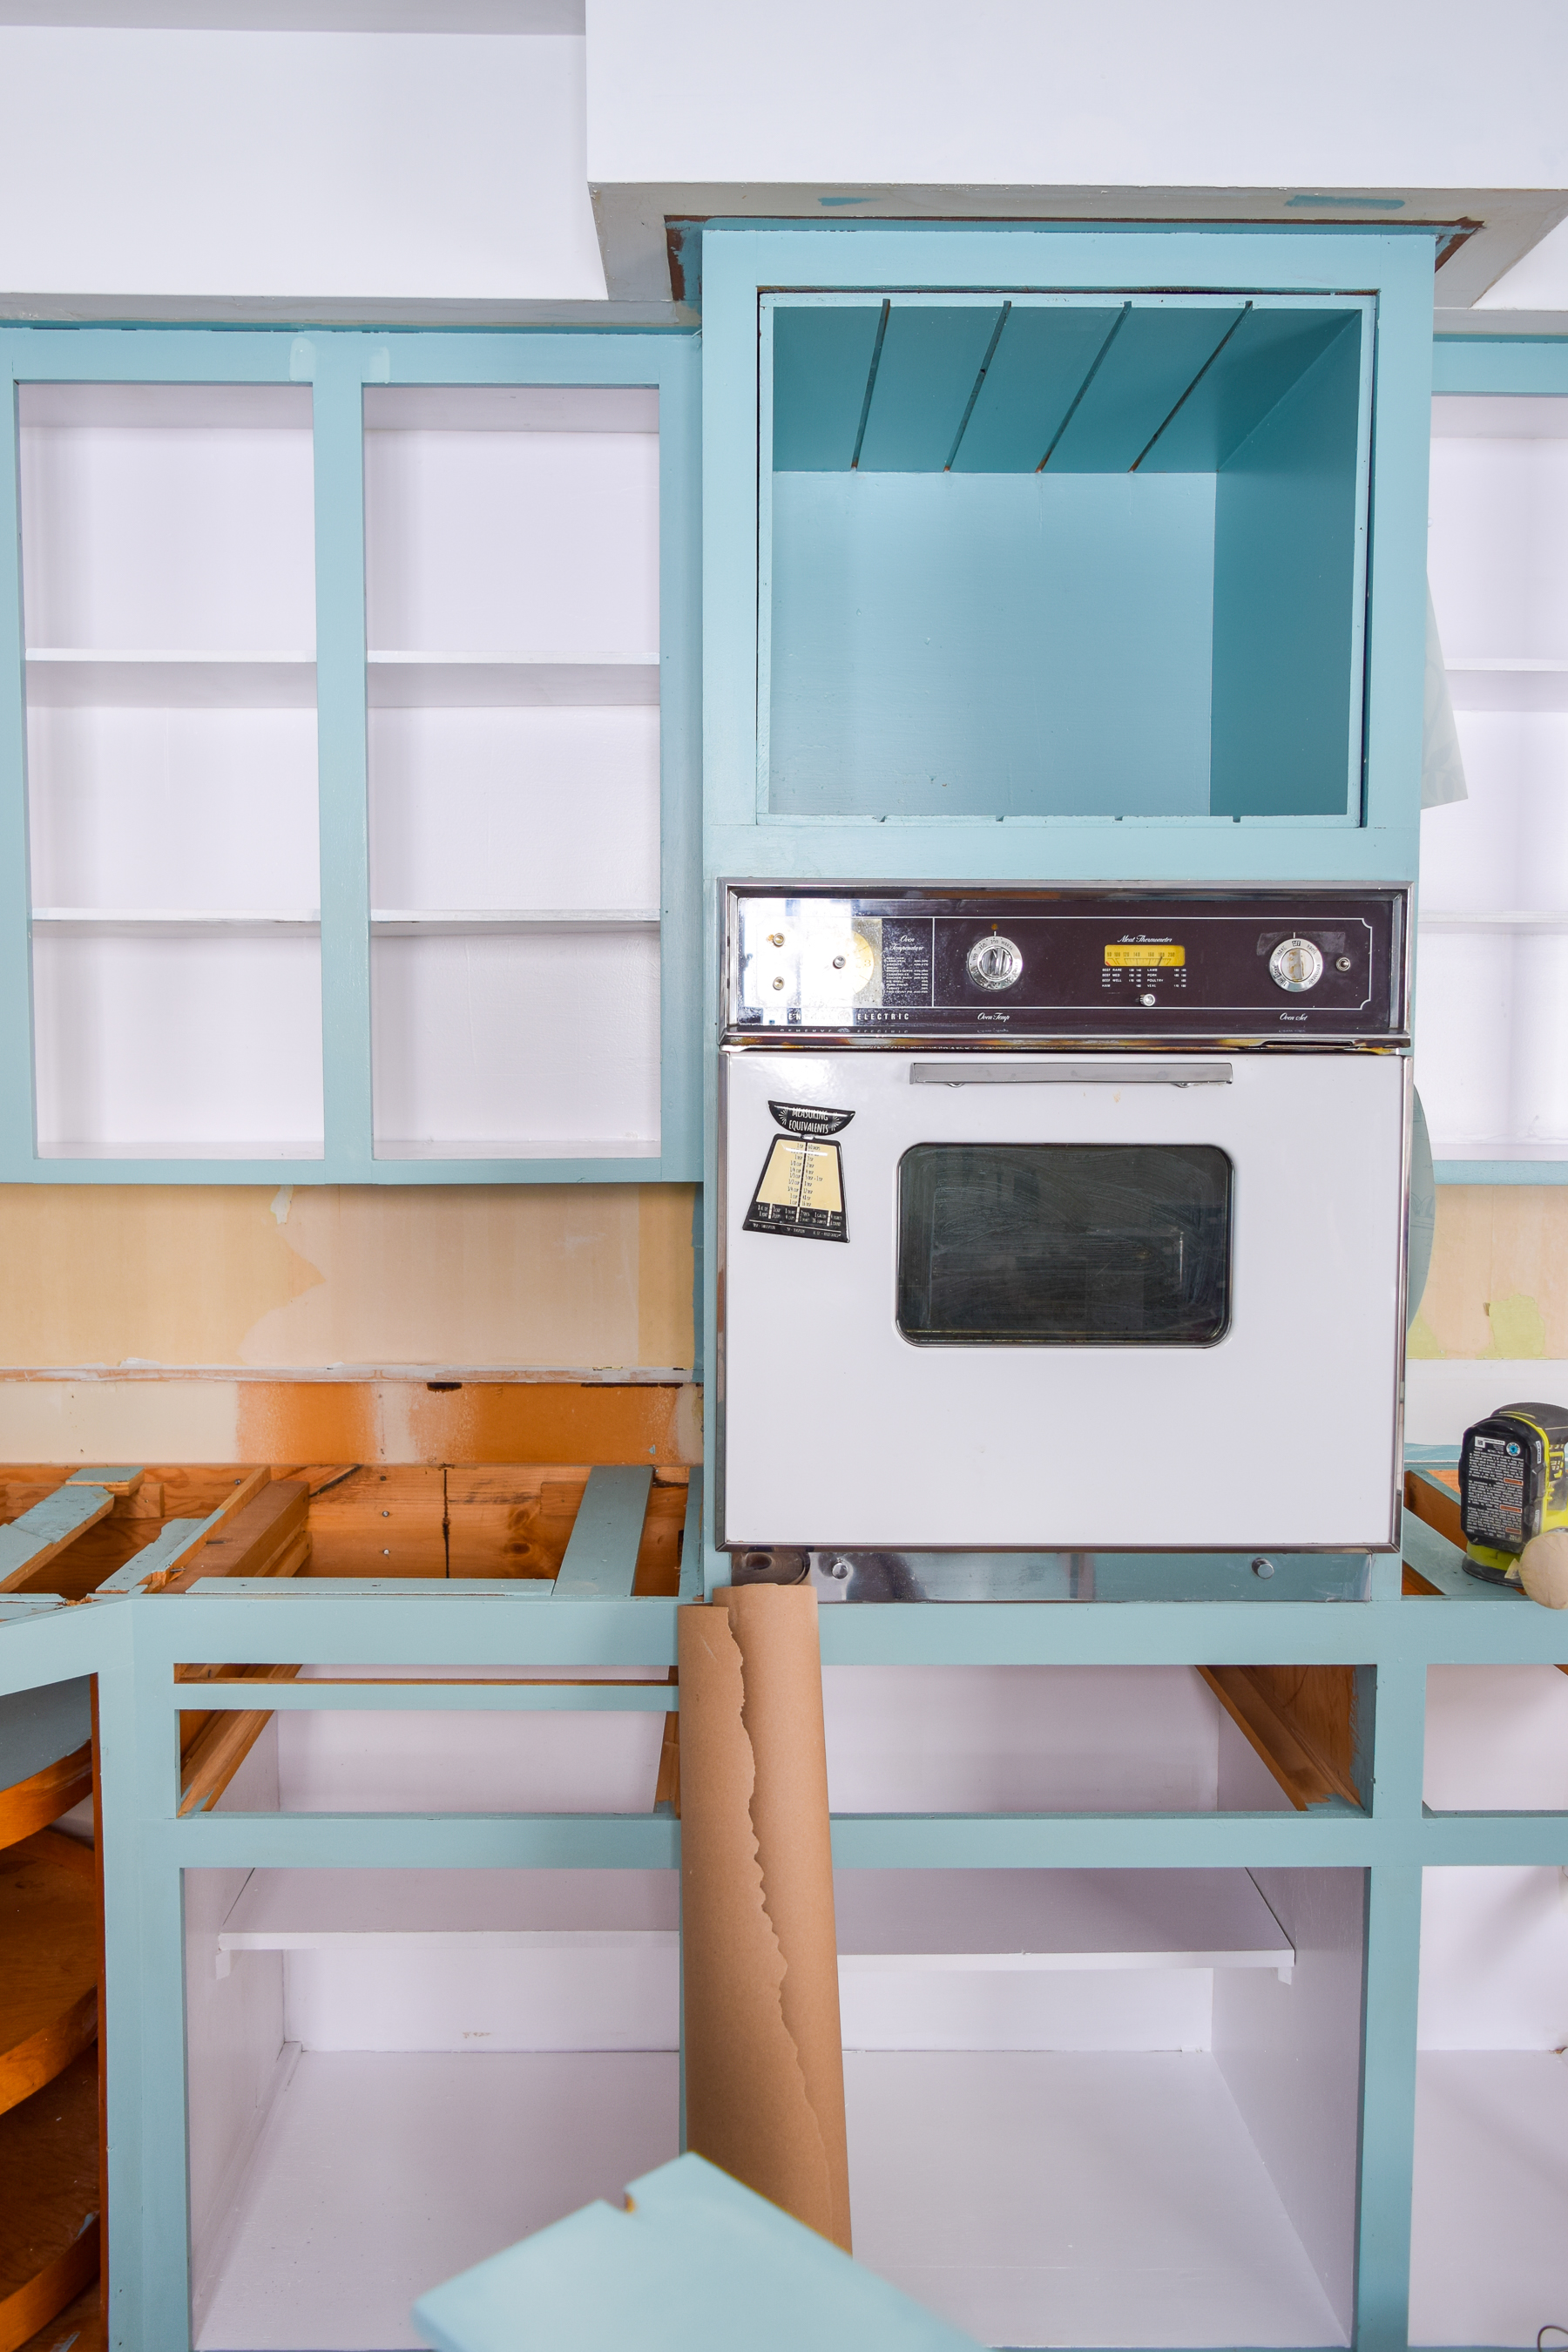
(1499, 1283)
(580, 1277)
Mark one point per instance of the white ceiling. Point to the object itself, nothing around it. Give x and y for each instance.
(303, 16)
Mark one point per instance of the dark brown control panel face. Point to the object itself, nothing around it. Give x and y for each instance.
(1266, 965)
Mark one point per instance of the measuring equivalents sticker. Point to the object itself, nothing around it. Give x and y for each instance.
(801, 1189)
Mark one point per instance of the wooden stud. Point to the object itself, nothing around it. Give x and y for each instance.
(1299, 1721)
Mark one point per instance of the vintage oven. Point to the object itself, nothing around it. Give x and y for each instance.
(1062, 1218)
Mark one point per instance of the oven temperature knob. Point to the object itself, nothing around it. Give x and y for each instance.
(994, 962)
(1295, 964)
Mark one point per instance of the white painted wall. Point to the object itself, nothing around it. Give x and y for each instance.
(1129, 92)
(388, 166)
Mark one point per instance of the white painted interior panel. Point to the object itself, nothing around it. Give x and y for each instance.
(1496, 1740)
(1492, 963)
(1054, 2197)
(544, 1043)
(173, 808)
(383, 2174)
(1488, 2251)
(209, 1046)
(484, 540)
(1071, 1739)
(1290, 2056)
(1494, 1959)
(365, 1760)
(173, 535)
(1498, 527)
(516, 808)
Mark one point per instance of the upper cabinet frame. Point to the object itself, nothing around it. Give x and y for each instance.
(1233, 331)
(333, 370)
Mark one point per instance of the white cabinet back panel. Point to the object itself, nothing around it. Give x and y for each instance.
(1492, 966)
(1489, 2263)
(506, 542)
(514, 808)
(540, 1044)
(1494, 1958)
(185, 1047)
(1089, 1739)
(1497, 1739)
(364, 1761)
(194, 533)
(174, 808)
(1500, 527)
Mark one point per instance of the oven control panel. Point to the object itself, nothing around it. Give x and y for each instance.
(1247, 966)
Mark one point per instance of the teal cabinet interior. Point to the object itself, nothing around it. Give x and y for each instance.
(1054, 556)
(275, 796)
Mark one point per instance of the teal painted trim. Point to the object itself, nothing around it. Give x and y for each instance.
(692, 1539)
(1494, 1840)
(1501, 364)
(448, 1624)
(1390, 1987)
(1500, 1171)
(601, 1557)
(17, 1125)
(427, 1698)
(230, 1841)
(48, 1524)
(337, 369)
(1329, 1837)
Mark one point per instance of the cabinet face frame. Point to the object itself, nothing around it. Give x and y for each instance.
(1533, 367)
(739, 265)
(338, 365)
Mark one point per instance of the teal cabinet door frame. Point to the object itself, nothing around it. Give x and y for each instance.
(338, 364)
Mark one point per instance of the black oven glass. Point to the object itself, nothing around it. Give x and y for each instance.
(1064, 1245)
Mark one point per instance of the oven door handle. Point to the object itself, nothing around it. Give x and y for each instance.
(1104, 1071)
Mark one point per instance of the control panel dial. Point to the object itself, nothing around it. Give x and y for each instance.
(994, 962)
(1296, 965)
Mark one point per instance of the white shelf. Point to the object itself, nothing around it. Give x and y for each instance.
(901, 1920)
(497, 922)
(548, 1147)
(174, 922)
(72, 677)
(413, 681)
(1522, 921)
(1484, 682)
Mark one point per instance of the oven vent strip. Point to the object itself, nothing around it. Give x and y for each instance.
(1103, 1072)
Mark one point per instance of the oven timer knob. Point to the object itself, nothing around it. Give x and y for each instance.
(994, 962)
(1295, 965)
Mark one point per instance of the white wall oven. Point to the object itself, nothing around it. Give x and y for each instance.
(1066, 1219)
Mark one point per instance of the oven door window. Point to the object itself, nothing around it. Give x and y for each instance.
(1064, 1245)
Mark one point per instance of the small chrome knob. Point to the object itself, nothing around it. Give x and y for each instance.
(994, 962)
(1295, 965)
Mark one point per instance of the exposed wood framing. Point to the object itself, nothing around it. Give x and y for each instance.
(1300, 1721)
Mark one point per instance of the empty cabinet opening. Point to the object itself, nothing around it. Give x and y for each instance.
(168, 562)
(433, 1740)
(1496, 1740)
(1096, 1740)
(1491, 2265)
(393, 2074)
(1069, 555)
(512, 619)
(1112, 2106)
(1493, 944)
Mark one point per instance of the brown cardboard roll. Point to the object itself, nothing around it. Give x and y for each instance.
(764, 2062)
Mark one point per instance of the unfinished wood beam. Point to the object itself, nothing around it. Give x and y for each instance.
(30, 1542)
(268, 1536)
(220, 1744)
(1301, 1725)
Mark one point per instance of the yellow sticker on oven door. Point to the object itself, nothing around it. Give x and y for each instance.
(799, 1191)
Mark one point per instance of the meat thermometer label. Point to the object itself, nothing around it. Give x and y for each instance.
(799, 1191)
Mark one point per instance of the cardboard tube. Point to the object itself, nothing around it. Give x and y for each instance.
(764, 2062)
